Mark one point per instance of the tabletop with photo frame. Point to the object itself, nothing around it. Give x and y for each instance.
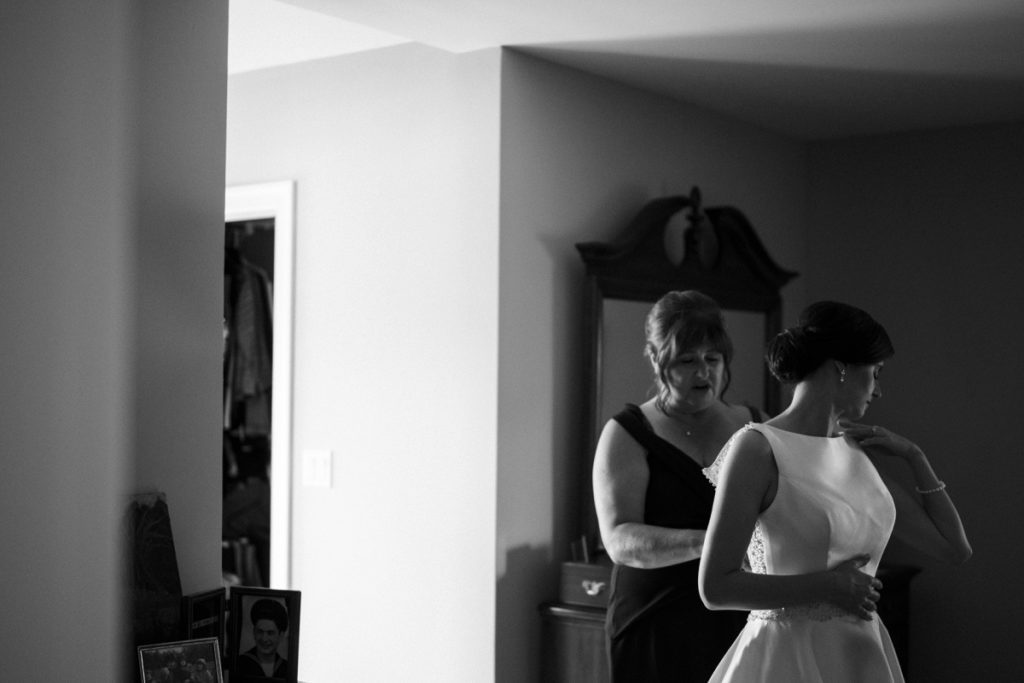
(237, 633)
(231, 635)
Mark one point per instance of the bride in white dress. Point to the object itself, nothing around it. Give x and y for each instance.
(801, 515)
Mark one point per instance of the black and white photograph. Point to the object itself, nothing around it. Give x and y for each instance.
(194, 661)
(532, 341)
(264, 641)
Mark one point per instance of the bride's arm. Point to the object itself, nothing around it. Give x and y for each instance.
(929, 521)
(748, 474)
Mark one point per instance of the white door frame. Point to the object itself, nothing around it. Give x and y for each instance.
(276, 200)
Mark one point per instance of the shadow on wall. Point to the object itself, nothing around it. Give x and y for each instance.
(518, 618)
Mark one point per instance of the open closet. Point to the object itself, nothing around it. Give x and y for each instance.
(260, 234)
(248, 390)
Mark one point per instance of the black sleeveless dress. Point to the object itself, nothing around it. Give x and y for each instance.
(657, 627)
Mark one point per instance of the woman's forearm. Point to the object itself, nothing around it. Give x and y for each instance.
(939, 506)
(742, 590)
(644, 546)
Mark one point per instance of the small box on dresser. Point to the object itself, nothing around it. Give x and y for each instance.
(585, 583)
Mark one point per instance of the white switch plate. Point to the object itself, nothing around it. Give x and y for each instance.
(317, 468)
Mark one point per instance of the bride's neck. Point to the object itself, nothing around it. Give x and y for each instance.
(810, 412)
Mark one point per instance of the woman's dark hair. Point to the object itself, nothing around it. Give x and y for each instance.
(827, 329)
(678, 322)
(265, 608)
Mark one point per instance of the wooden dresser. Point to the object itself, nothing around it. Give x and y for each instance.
(574, 651)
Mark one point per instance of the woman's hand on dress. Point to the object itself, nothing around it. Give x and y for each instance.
(868, 436)
(855, 591)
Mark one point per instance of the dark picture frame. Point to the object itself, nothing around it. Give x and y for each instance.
(204, 615)
(263, 623)
(161, 661)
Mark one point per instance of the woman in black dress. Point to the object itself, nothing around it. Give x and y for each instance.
(653, 500)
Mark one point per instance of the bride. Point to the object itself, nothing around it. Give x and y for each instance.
(820, 513)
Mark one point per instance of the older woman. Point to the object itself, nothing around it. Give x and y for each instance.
(653, 500)
(820, 512)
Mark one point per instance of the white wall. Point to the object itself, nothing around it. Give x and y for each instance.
(580, 156)
(109, 350)
(395, 157)
(924, 231)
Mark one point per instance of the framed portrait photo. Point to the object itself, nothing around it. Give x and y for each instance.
(182, 660)
(263, 644)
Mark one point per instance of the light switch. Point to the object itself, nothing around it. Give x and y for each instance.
(317, 468)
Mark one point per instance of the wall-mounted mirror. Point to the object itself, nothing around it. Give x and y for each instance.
(722, 257)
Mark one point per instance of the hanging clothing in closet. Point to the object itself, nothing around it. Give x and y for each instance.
(248, 363)
(248, 315)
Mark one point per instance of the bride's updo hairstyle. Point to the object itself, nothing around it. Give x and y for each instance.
(827, 330)
(679, 322)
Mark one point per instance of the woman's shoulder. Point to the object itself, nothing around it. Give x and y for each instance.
(621, 438)
(631, 414)
(634, 420)
(752, 438)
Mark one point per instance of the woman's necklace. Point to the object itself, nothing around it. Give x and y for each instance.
(689, 424)
(677, 418)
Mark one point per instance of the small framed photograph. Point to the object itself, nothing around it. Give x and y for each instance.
(264, 635)
(183, 660)
(204, 615)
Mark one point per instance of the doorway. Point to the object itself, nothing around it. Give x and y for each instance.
(248, 395)
(259, 253)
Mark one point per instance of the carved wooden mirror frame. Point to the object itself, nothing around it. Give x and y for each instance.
(722, 257)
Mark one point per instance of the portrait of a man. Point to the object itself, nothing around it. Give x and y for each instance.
(266, 658)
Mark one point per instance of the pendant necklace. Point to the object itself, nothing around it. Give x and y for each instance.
(675, 417)
(687, 429)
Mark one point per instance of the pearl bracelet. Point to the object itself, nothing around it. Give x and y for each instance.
(940, 487)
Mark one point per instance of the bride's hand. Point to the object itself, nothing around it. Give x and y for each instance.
(853, 590)
(868, 436)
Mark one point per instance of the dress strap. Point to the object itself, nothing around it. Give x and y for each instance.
(663, 454)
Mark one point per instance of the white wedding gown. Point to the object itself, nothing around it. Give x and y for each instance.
(830, 505)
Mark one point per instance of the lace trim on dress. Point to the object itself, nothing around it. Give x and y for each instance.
(818, 611)
(755, 550)
(714, 470)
